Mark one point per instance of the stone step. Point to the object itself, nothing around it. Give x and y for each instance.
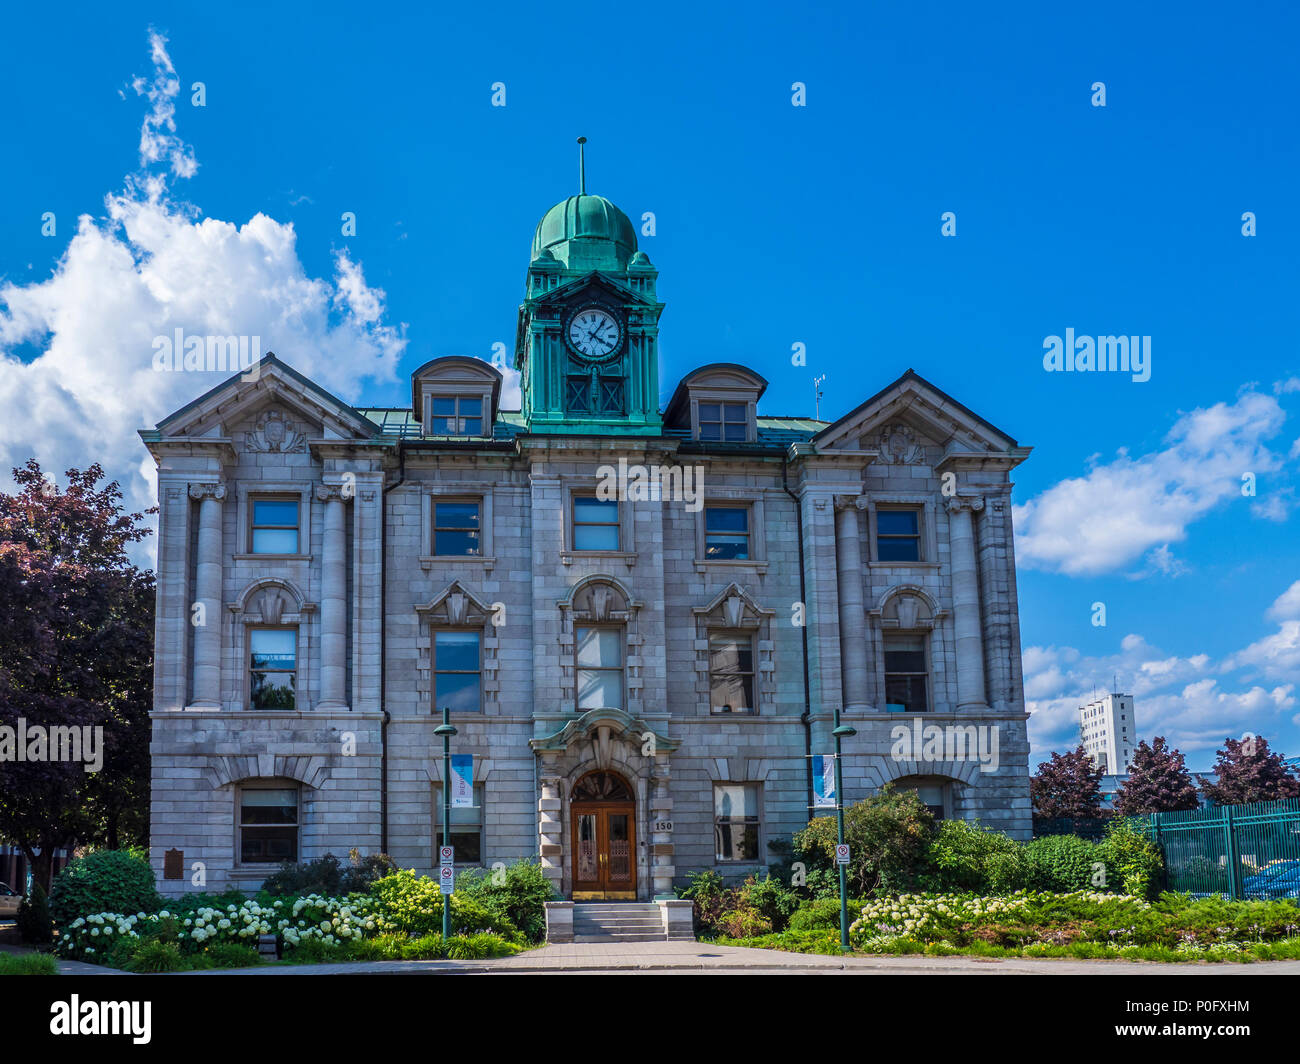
(638, 936)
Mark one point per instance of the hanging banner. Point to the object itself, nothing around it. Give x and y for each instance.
(823, 781)
(462, 781)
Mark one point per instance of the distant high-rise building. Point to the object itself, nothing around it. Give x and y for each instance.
(1109, 732)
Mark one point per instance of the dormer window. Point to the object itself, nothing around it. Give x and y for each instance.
(725, 422)
(717, 404)
(455, 396)
(456, 415)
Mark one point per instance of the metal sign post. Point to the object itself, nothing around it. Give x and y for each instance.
(446, 730)
(841, 850)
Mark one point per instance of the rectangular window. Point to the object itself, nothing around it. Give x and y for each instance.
(457, 671)
(275, 526)
(724, 422)
(931, 796)
(456, 415)
(726, 533)
(898, 535)
(466, 828)
(599, 660)
(731, 673)
(456, 529)
(595, 523)
(735, 821)
(268, 825)
(273, 665)
(905, 674)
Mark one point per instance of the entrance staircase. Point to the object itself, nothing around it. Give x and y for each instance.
(618, 922)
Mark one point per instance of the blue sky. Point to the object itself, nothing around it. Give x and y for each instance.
(775, 224)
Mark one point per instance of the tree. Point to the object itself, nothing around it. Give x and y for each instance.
(1069, 785)
(76, 647)
(1158, 782)
(1248, 772)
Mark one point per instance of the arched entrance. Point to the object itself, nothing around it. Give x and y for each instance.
(603, 815)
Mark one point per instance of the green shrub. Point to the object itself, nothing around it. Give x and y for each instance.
(413, 904)
(316, 951)
(328, 876)
(28, 964)
(517, 896)
(1132, 859)
(103, 881)
(744, 923)
(34, 924)
(424, 948)
(1062, 863)
(231, 955)
(889, 837)
(712, 897)
(767, 896)
(120, 953)
(155, 956)
(966, 856)
(476, 947)
(819, 914)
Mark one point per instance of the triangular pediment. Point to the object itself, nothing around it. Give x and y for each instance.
(586, 284)
(268, 395)
(456, 606)
(910, 418)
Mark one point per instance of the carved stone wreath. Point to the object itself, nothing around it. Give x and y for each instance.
(275, 432)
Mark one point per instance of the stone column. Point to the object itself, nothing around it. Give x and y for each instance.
(334, 604)
(966, 602)
(661, 842)
(207, 594)
(550, 830)
(853, 640)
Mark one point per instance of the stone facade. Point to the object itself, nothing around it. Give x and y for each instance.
(365, 591)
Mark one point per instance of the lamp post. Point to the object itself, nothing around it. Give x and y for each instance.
(841, 732)
(447, 730)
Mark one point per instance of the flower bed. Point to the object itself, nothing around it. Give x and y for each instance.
(1081, 924)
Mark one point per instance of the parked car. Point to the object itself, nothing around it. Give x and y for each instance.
(10, 899)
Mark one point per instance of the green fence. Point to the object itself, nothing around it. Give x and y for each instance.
(1239, 851)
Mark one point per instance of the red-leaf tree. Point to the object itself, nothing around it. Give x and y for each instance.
(1158, 781)
(1248, 772)
(76, 650)
(1069, 785)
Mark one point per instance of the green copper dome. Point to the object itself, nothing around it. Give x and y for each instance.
(586, 233)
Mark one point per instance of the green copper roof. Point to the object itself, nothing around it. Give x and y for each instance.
(586, 233)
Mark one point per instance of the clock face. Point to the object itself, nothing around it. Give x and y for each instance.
(594, 332)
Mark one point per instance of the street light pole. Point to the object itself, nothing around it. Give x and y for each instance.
(841, 731)
(446, 730)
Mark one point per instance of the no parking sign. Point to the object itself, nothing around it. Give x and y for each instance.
(447, 881)
(842, 853)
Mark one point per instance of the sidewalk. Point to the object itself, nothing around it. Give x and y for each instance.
(701, 957)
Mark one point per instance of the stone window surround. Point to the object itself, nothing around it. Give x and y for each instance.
(246, 614)
(922, 501)
(607, 626)
(925, 634)
(457, 491)
(739, 635)
(725, 395)
(583, 485)
(714, 784)
(623, 613)
(908, 783)
(746, 617)
(735, 497)
(458, 608)
(266, 783)
(271, 489)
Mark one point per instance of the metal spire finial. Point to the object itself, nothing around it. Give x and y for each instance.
(582, 167)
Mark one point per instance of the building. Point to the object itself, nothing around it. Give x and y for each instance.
(642, 618)
(1108, 731)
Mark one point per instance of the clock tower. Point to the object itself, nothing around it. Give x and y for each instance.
(588, 336)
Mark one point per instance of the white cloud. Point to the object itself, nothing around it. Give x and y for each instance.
(150, 266)
(1286, 606)
(1125, 508)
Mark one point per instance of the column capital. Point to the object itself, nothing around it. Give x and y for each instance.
(330, 492)
(973, 503)
(211, 490)
(850, 502)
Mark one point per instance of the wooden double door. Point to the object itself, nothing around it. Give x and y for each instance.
(604, 840)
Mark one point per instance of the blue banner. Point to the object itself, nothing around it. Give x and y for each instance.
(462, 781)
(823, 781)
